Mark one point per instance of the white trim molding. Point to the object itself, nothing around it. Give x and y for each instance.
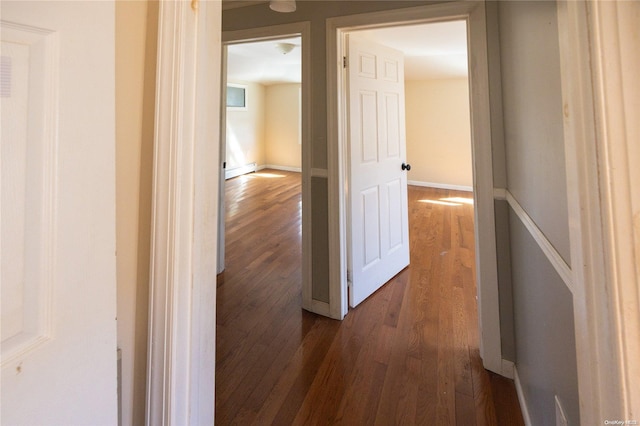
(524, 407)
(600, 92)
(552, 255)
(440, 185)
(283, 168)
(486, 258)
(230, 173)
(617, 92)
(252, 167)
(508, 369)
(181, 363)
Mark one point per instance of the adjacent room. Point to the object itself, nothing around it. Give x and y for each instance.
(263, 106)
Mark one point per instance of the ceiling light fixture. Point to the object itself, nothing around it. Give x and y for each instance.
(285, 48)
(284, 6)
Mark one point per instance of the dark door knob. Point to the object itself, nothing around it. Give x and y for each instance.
(406, 167)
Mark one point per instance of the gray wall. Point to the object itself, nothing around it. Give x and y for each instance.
(545, 339)
(532, 112)
(534, 151)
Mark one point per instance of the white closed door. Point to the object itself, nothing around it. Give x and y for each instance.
(379, 231)
(57, 214)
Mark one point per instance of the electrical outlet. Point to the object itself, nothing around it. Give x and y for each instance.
(561, 418)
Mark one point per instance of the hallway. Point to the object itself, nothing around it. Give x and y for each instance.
(407, 355)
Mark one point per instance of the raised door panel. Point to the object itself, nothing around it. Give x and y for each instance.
(368, 107)
(393, 125)
(370, 221)
(57, 195)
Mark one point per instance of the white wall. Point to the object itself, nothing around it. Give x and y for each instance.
(245, 129)
(282, 127)
(439, 132)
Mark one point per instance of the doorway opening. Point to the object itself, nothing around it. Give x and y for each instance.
(484, 217)
(408, 102)
(288, 122)
(262, 115)
(262, 123)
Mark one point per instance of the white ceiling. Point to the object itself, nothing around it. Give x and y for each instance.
(432, 51)
(261, 62)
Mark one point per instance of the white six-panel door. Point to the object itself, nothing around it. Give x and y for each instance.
(57, 197)
(379, 232)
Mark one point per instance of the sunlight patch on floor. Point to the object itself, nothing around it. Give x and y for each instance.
(442, 203)
(462, 200)
(265, 175)
(449, 201)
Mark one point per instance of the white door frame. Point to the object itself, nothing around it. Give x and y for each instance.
(274, 32)
(486, 258)
(602, 161)
(182, 306)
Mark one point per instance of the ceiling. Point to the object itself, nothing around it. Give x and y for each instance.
(261, 62)
(234, 4)
(432, 51)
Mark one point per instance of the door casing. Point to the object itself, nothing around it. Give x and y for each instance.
(274, 32)
(182, 287)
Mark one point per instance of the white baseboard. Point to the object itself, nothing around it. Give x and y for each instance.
(521, 399)
(252, 167)
(441, 185)
(240, 170)
(283, 168)
(508, 369)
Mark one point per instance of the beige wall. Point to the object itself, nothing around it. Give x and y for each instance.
(245, 129)
(438, 132)
(282, 126)
(268, 132)
(136, 39)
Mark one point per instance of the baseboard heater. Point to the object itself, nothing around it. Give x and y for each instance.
(240, 170)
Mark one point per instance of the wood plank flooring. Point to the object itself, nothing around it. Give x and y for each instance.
(407, 355)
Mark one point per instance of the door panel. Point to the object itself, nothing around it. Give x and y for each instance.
(394, 191)
(378, 185)
(371, 222)
(57, 196)
(392, 115)
(369, 135)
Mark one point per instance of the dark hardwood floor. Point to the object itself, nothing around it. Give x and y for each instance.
(407, 355)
